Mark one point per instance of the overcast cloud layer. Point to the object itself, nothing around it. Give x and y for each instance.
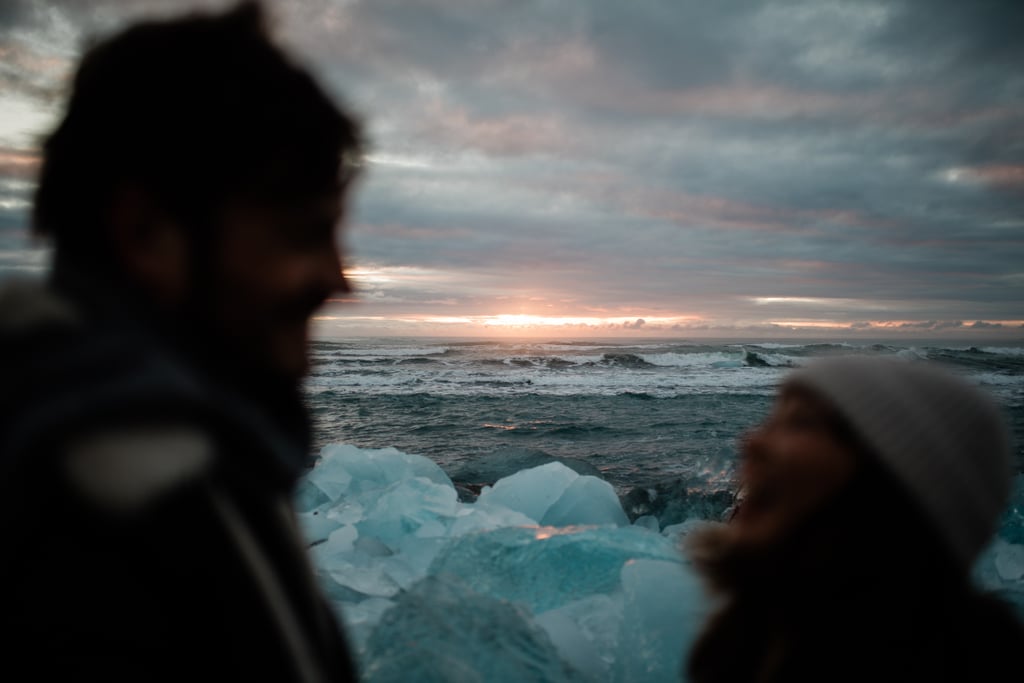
(652, 166)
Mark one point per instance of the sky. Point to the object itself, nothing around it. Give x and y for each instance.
(682, 168)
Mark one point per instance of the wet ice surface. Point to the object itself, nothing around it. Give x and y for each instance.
(542, 578)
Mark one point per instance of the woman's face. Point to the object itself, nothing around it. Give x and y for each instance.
(791, 464)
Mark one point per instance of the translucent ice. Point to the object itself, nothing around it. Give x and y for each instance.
(432, 588)
(505, 461)
(1012, 525)
(484, 517)
(547, 567)
(1009, 561)
(531, 492)
(360, 618)
(587, 500)
(442, 631)
(362, 579)
(662, 610)
(416, 506)
(648, 522)
(329, 480)
(339, 542)
(344, 470)
(586, 633)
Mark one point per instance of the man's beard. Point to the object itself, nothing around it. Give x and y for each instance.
(227, 361)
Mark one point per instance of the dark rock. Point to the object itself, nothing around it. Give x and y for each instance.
(674, 501)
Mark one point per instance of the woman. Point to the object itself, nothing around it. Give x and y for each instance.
(868, 494)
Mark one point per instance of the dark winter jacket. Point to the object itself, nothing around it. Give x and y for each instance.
(864, 592)
(145, 511)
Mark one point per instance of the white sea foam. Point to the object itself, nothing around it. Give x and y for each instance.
(689, 360)
(555, 369)
(776, 345)
(576, 380)
(912, 354)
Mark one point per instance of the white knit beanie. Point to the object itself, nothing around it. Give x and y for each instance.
(942, 438)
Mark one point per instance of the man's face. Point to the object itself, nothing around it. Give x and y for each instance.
(273, 266)
(791, 464)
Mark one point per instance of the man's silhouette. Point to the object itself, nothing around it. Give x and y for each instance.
(151, 421)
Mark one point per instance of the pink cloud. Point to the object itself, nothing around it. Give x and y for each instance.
(509, 135)
(16, 163)
(998, 175)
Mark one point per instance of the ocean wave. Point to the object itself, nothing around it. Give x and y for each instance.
(912, 354)
(980, 360)
(626, 360)
(376, 353)
(551, 362)
(693, 360)
(1004, 350)
(639, 395)
(811, 346)
(768, 360)
(657, 369)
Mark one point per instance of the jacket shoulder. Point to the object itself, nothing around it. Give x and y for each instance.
(124, 469)
(27, 305)
(96, 407)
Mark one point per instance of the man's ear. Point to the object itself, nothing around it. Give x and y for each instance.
(150, 246)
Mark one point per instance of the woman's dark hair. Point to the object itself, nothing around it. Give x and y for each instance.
(194, 111)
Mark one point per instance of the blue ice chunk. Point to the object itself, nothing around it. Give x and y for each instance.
(442, 631)
(370, 580)
(339, 543)
(546, 567)
(531, 491)
(316, 526)
(1009, 561)
(343, 469)
(649, 522)
(354, 577)
(586, 633)
(1012, 524)
(416, 506)
(360, 618)
(573, 647)
(664, 607)
(383, 525)
(482, 516)
(309, 497)
(587, 500)
(346, 482)
(413, 557)
(331, 476)
(1000, 569)
(345, 512)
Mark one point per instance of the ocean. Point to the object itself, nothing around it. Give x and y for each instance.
(640, 412)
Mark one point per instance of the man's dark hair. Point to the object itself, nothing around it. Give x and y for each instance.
(193, 111)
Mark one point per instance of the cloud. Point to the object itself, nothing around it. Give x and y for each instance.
(18, 164)
(650, 159)
(503, 136)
